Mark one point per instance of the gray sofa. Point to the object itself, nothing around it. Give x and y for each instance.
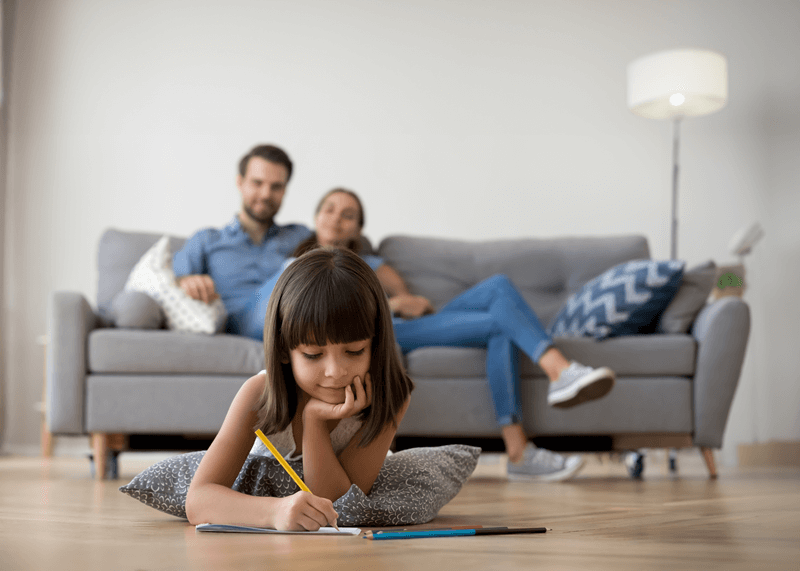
(672, 390)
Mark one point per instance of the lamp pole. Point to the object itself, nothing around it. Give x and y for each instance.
(676, 140)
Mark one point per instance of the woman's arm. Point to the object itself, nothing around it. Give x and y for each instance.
(401, 301)
(210, 498)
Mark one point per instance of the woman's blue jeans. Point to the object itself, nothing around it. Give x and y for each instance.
(491, 314)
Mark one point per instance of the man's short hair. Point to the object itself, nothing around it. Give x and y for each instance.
(269, 153)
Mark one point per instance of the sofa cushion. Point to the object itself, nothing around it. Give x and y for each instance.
(624, 300)
(630, 356)
(636, 355)
(546, 271)
(162, 351)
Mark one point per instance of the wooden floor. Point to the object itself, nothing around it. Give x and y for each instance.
(54, 516)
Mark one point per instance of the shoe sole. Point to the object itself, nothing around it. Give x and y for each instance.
(593, 386)
(552, 477)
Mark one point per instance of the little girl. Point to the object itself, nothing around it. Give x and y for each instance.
(333, 393)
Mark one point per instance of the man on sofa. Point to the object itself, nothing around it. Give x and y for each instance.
(233, 262)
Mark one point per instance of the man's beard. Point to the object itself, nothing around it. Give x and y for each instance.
(265, 219)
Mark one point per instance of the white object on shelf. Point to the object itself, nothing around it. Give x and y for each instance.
(744, 240)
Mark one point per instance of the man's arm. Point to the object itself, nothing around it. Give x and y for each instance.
(191, 269)
(199, 286)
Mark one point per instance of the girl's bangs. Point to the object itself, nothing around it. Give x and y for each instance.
(334, 310)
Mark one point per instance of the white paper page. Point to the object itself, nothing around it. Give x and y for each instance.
(244, 529)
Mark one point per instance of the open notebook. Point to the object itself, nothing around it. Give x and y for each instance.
(244, 529)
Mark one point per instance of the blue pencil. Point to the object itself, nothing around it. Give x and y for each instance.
(453, 532)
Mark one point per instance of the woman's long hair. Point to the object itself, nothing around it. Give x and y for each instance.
(311, 242)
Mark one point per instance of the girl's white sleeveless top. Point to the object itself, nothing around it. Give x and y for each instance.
(284, 440)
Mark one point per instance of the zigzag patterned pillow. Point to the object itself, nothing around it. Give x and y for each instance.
(625, 300)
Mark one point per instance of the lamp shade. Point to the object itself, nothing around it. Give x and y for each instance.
(678, 83)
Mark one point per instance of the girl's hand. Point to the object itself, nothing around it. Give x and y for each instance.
(304, 511)
(355, 400)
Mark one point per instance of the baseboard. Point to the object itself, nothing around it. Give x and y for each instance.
(21, 450)
(772, 453)
(63, 446)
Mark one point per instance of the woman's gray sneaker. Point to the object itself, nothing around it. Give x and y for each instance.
(578, 383)
(543, 465)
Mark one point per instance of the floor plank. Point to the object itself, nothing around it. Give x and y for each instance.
(54, 516)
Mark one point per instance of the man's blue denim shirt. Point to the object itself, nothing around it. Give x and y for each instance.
(237, 265)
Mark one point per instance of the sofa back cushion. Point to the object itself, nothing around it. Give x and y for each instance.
(547, 271)
(117, 253)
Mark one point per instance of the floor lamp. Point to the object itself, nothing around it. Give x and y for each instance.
(672, 85)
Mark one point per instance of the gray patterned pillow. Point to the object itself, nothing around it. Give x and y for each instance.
(411, 488)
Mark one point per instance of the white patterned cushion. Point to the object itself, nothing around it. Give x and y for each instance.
(411, 488)
(625, 300)
(153, 275)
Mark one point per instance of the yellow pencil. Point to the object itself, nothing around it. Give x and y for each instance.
(285, 465)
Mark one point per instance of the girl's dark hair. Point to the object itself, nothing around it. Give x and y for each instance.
(330, 295)
(311, 242)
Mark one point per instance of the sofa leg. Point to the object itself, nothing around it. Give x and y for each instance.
(100, 451)
(105, 448)
(708, 456)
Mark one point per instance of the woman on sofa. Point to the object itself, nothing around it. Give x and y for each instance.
(491, 314)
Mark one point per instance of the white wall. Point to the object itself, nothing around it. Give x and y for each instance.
(453, 118)
(6, 15)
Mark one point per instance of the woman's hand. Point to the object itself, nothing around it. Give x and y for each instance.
(357, 397)
(410, 306)
(304, 511)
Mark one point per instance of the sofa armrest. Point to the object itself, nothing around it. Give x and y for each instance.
(721, 330)
(70, 319)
